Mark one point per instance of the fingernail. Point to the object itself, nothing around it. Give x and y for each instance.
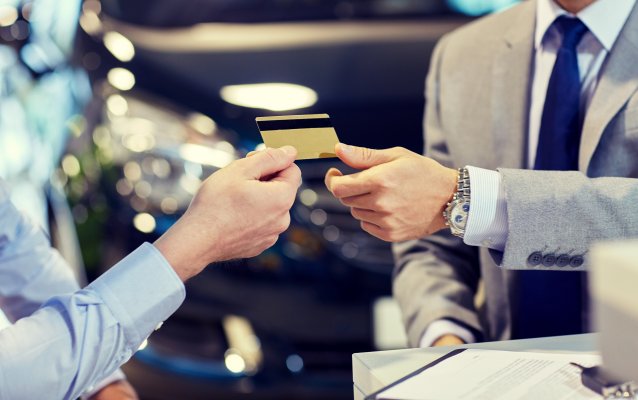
(346, 148)
(289, 150)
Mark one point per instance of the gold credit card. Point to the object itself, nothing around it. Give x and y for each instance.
(312, 135)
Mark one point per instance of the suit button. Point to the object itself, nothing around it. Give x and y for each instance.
(549, 260)
(577, 261)
(4, 241)
(562, 260)
(535, 258)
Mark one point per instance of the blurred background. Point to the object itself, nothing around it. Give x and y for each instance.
(112, 112)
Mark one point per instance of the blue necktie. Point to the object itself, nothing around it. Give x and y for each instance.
(559, 136)
(550, 303)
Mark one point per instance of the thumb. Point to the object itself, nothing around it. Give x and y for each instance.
(269, 161)
(363, 157)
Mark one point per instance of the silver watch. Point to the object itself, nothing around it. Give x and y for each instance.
(456, 212)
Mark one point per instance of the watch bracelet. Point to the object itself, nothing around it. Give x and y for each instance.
(462, 192)
(463, 185)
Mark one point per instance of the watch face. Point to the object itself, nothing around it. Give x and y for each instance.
(458, 215)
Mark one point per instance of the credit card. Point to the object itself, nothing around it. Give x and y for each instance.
(312, 135)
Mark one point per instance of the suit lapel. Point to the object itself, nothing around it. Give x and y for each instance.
(511, 83)
(618, 81)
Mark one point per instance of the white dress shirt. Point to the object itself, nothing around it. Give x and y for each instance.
(487, 219)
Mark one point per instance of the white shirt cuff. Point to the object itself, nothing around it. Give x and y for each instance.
(487, 219)
(141, 291)
(443, 327)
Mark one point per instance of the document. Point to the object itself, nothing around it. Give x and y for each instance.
(491, 375)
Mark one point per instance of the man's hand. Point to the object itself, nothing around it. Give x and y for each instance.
(398, 195)
(118, 390)
(238, 212)
(448, 340)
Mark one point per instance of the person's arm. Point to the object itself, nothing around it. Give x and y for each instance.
(32, 273)
(561, 214)
(542, 220)
(436, 278)
(521, 214)
(444, 332)
(78, 338)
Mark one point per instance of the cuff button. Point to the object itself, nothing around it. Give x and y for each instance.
(535, 258)
(577, 261)
(563, 260)
(549, 260)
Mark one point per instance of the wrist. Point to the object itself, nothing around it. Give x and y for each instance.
(457, 210)
(448, 340)
(451, 185)
(182, 247)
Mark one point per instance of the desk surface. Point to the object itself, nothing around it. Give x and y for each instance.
(372, 371)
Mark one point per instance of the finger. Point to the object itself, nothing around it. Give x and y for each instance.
(350, 185)
(268, 162)
(332, 172)
(252, 153)
(363, 201)
(363, 157)
(375, 230)
(366, 215)
(290, 175)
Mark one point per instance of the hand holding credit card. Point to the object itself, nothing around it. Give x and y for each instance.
(396, 194)
(312, 135)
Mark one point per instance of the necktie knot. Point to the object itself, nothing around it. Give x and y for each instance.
(572, 31)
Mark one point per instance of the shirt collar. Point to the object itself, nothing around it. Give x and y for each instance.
(604, 19)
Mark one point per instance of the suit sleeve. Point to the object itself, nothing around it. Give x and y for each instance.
(563, 213)
(436, 277)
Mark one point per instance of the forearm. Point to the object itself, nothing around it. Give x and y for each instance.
(564, 213)
(77, 339)
(176, 246)
(30, 270)
(435, 278)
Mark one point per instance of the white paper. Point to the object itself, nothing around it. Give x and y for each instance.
(491, 375)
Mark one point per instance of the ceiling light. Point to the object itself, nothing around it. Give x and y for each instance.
(270, 96)
(119, 45)
(121, 79)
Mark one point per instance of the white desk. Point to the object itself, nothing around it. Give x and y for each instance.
(372, 371)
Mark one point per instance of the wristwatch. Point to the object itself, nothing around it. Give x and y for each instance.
(458, 208)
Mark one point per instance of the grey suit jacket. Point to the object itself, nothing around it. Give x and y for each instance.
(477, 106)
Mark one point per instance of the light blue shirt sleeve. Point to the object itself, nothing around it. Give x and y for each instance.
(78, 337)
(487, 218)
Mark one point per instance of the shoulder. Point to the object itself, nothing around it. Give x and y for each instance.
(483, 34)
